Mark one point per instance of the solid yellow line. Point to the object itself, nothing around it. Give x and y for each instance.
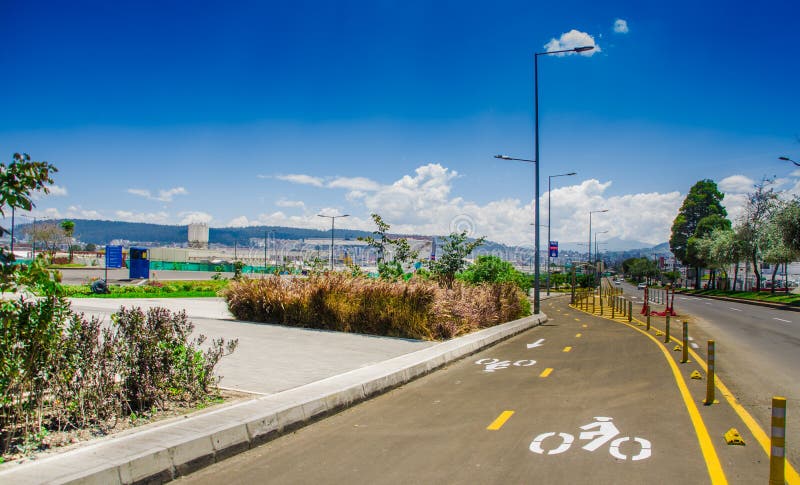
(713, 464)
(500, 421)
(546, 372)
(567, 349)
(791, 476)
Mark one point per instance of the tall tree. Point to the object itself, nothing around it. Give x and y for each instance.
(703, 201)
(776, 251)
(760, 205)
(787, 219)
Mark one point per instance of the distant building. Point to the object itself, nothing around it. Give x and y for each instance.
(198, 235)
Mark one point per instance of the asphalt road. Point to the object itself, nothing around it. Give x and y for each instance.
(495, 417)
(757, 353)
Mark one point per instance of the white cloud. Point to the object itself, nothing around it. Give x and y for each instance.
(302, 179)
(736, 184)
(78, 212)
(195, 216)
(163, 195)
(621, 26)
(151, 217)
(290, 203)
(166, 195)
(240, 221)
(570, 40)
(58, 191)
(354, 183)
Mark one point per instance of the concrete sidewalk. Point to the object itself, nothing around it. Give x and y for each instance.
(300, 374)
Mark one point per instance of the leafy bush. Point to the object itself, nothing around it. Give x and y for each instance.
(491, 269)
(412, 309)
(59, 371)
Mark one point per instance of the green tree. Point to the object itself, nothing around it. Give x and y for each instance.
(760, 205)
(787, 219)
(776, 252)
(453, 259)
(402, 254)
(69, 229)
(704, 200)
(492, 269)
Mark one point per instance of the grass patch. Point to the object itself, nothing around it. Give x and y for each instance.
(778, 297)
(66, 265)
(153, 289)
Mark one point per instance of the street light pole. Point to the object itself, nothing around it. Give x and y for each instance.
(590, 233)
(595, 242)
(549, 183)
(333, 219)
(536, 299)
(787, 159)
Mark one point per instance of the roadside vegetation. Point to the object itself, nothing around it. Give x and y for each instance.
(152, 289)
(441, 300)
(61, 373)
(785, 298)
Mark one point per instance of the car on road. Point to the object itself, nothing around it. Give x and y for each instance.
(641, 286)
(618, 282)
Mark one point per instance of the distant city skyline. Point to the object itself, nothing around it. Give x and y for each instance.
(264, 114)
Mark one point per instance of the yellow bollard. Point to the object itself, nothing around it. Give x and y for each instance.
(613, 307)
(666, 331)
(648, 321)
(777, 455)
(685, 356)
(630, 311)
(710, 378)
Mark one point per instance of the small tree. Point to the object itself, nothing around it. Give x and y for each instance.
(69, 229)
(402, 254)
(48, 234)
(455, 250)
(761, 203)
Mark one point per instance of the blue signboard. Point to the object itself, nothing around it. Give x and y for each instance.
(113, 256)
(553, 249)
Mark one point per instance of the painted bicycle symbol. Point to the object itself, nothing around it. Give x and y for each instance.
(492, 365)
(599, 432)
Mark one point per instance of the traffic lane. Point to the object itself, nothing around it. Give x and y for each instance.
(435, 428)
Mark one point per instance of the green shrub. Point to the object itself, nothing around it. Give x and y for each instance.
(491, 269)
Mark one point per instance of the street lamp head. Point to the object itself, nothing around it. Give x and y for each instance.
(785, 158)
(503, 157)
(573, 173)
(584, 48)
(345, 215)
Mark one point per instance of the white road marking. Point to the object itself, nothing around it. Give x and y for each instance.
(734, 309)
(782, 320)
(538, 343)
(707, 303)
(694, 345)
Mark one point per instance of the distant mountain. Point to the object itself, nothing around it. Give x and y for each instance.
(103, 232)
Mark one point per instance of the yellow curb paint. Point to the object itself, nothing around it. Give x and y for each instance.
(791, 475)
(567, 349)
(546, 372)
(500, 421)
(713, 464)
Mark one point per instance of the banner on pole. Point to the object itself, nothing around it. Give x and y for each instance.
(553, 249)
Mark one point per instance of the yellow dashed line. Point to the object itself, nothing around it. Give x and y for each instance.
(567, 349)
(500, 421)
(585, 326)
(577, 319)
(546, 372)
(577, 335)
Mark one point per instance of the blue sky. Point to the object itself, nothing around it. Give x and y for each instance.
(243, 113)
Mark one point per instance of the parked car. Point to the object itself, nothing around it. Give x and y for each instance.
(618, 282)
(641, 286)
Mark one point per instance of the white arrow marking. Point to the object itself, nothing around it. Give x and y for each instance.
(538, 343)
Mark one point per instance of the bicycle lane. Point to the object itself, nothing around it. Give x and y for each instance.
(486, 419)
(604, 377)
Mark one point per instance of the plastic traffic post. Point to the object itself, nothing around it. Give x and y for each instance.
(710, 378)
(648, 322)
(666, 331)
(685, 357)
(630, 311)
(777, 455)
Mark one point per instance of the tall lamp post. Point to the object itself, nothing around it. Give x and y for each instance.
(590, 233)
(333, 220)
(549, 183)
(535, 161)
(595, 241)
(787, 159)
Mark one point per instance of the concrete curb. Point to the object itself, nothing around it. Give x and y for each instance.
(162, 453)
(767, 304)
